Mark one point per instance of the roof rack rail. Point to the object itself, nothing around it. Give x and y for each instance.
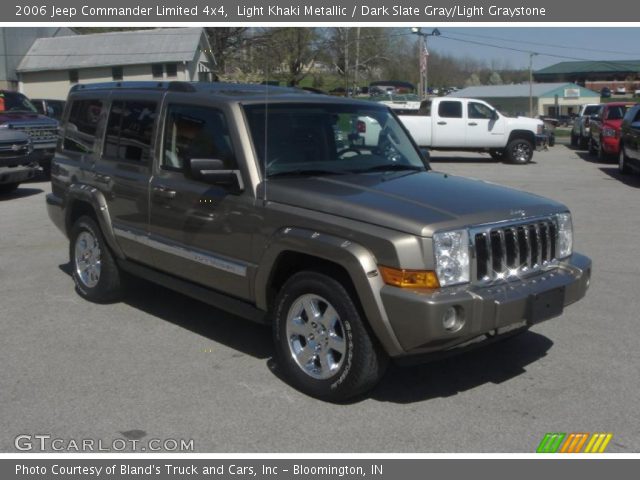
(174, 86)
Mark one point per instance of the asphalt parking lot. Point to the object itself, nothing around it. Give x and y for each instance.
(160, 365)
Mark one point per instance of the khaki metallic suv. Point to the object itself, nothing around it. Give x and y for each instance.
(263, 201)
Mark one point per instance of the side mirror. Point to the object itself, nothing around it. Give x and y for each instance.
(212, 170)
(494, 115)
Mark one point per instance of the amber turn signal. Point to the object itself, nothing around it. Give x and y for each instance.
(409, 278)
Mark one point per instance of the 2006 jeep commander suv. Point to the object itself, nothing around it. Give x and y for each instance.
(261, 201)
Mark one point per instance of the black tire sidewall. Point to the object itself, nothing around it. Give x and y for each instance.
(345, 382)
(107, 287)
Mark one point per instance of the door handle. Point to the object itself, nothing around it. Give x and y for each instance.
(473, 124)
(164, 192)
(442, 123)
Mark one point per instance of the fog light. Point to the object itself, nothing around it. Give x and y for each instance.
(453, 319)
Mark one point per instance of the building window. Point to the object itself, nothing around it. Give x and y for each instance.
(73, 76)
(157, 70)
(116, 73)
(172, 70)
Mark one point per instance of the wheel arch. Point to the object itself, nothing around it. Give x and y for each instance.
(296, 249)
(86, 200)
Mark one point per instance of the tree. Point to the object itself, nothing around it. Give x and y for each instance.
(473, 80)
(495, 79)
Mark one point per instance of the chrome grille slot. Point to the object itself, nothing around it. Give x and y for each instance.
(512, 251)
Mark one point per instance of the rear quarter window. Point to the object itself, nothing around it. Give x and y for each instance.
(81, 126)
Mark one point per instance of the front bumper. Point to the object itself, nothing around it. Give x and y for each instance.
(542, 141)
(611, 145)
(416, 317)
(18, 174)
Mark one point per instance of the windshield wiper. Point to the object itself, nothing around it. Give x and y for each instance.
(391, 167)
(304, 173)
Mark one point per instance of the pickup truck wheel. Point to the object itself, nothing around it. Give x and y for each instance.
(623, 168)
(519, 151)
(9, 187)
(94, 269)
(321, 342)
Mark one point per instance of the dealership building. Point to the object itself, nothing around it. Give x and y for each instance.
(549, 99)
(622, 76)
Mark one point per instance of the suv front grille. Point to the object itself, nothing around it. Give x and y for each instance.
(514, 250)
(39, 134)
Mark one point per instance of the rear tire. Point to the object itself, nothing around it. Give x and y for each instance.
(8, 188)
(94, 269)
(519, 151)
(321, 342)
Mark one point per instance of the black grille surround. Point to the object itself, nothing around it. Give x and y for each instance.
(507, 251)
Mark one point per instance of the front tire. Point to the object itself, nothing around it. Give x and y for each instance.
(519, 151)
(95, 272)
(321, 342)
(623, 168)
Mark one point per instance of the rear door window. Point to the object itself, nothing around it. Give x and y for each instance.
(130, 131)
(450, 109)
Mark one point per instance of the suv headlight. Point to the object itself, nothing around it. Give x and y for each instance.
(540, 129)
(564, 246)
(451, 251)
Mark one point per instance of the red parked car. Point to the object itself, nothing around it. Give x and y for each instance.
(605, 129)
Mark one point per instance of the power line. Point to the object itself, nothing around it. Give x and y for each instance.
(541, 44)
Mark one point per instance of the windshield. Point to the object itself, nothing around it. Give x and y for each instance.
(15, 102)
(591, 110)
(617, 112)
(329, 139)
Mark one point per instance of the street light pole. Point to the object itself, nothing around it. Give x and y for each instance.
(423, 57)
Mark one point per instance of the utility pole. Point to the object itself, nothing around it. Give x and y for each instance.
(346, 61)
(531, 55)
(423, 56)
(357, 63)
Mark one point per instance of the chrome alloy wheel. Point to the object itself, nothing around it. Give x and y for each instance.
(316, 336)
(87, 259)
(521, 152)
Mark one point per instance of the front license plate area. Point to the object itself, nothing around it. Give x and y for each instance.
(545, 305)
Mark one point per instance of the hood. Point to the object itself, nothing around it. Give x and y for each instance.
(27, 119)
(417, 203)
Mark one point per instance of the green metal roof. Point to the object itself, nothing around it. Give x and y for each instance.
(592, 66)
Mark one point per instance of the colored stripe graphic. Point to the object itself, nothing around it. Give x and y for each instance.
(550, 443)
(573, 442)
(598, 443)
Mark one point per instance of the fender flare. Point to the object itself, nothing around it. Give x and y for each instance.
(358, 261)
(87, 194)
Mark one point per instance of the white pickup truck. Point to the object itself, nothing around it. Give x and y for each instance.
(450, 123)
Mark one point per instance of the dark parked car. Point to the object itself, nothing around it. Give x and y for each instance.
(18, 113)
(629, 156)
(605, 92)
(48, 107)
(16, 165)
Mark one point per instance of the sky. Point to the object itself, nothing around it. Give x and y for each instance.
(574, 43)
